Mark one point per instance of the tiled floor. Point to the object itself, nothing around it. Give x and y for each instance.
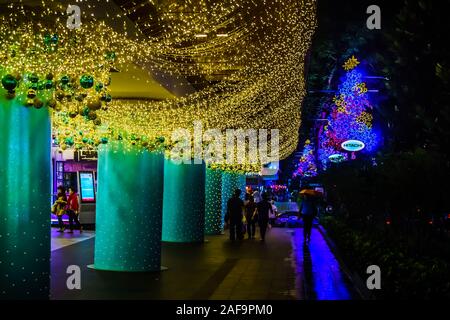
(64, 239)
(282, 268)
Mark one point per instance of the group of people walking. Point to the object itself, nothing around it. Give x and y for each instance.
(243, 217)
(67, 205)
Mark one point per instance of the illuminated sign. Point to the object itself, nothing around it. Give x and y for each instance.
(87, 187)
(353, 145)
(336, 157)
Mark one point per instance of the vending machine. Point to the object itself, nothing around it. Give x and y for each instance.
(87, 196)
(79, 171)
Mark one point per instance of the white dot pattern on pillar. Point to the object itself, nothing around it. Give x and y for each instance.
(129, 211)
(184, 202)
(25, 201)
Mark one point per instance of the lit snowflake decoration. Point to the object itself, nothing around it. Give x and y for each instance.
(351, 63)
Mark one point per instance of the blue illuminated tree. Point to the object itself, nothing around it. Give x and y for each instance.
(306, 166)
(350, 117)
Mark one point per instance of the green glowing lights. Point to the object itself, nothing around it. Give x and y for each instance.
(213, 202)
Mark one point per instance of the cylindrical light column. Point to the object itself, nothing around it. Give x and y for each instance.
(213, 202)
(129, 209)
(184, 202)
(230, 182)
(25, 200)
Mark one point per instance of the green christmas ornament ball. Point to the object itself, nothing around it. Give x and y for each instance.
(47, 39)
(41, 85)
(33, 78)
(86, 81)
(98, 86)
(9, 82)
(65, 80)
(69, 141)
(48, 84)
(85, 111)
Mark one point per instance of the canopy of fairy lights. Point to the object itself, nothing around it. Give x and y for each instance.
(246, 58)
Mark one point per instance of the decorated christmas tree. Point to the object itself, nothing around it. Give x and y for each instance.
(306, 166)
(350, 118)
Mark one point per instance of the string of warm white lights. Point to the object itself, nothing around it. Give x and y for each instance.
(249, 56)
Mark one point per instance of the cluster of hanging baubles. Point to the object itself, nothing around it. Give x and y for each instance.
(80, 96)
(36, 93)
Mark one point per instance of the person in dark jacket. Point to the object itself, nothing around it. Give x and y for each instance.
(308, 211)
(264, 208)
(233, 216)
(59, 207)
(251, 217)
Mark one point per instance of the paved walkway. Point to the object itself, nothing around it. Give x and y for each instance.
(282, 268)
(61, 240)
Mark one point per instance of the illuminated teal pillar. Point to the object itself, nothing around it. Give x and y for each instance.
(25, 199)
(129, 209)
(184, 202)
(213, 202)
(230, 182)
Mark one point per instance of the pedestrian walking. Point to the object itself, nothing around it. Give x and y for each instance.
(73, 210)
(234, 215)
(308, 211)
(250, 214)
(59, 207)
(264, 209)
(257, 196)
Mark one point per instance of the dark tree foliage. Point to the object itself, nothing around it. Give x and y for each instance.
(409, 185)
(418, 63)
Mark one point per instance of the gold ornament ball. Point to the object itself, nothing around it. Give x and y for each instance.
(59, 95)
(10, 95)
(51, 103)
(38, 103)
(31, 93)
(17, 75)
(73, 114)
(92, 115)
(29, 102)
(94, 104)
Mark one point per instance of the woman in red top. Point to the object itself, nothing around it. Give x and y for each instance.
(73, 210)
